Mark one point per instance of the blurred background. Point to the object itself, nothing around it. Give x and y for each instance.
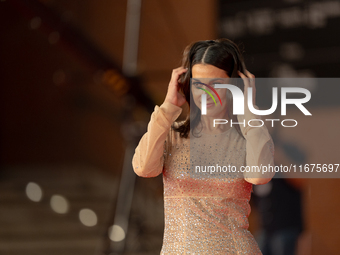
(79, 80)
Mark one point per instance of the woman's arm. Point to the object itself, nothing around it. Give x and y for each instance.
(148, 158)
(259, 148)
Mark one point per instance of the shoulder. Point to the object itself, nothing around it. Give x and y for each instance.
(236, 138)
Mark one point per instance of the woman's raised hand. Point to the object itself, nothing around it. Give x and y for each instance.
(249, 81)
(173, 96)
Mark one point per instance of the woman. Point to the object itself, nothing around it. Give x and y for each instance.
(205, 215)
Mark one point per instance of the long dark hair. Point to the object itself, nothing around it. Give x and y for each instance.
(221, 53)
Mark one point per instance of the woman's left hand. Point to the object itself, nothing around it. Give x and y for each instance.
(249, 81)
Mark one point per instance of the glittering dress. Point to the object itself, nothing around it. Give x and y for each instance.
(203, 214)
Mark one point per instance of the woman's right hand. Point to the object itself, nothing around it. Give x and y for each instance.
(173, 96)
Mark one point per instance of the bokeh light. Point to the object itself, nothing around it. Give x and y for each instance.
(88, 217)
(34, 192)
(59, 204)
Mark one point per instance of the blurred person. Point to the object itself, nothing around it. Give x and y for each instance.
(205, 215)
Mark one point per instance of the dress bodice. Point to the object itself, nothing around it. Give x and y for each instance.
(204, 213)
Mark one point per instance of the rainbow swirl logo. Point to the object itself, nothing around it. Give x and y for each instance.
(210, 87)
(204, 97)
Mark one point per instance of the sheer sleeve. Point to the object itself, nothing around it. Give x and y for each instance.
(259, 148)
(148, 159)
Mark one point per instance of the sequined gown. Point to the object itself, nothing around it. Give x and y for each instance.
(203, 215)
